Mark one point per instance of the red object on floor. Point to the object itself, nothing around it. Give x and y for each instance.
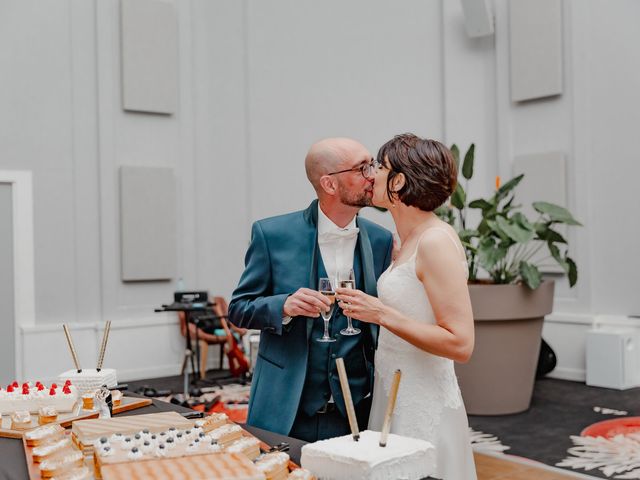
(613, 427)
(236, 414)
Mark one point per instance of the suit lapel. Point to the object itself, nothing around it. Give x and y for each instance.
(312, 216)
(364, 246)
(366, 257)
(368, 272)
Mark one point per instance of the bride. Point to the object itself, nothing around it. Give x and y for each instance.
(423, 304)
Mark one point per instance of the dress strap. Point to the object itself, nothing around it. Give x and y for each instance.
(447, 233)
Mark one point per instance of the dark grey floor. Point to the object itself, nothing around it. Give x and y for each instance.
(558, 410)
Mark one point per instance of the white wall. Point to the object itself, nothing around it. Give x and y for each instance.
(258, 83)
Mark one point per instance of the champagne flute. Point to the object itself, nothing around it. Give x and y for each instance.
(326, 289)
(349, 282)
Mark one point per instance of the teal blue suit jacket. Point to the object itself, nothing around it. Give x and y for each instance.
(283, 257)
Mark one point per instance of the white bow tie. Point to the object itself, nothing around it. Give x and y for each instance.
(334, 235)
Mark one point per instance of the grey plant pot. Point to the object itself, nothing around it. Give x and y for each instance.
(499, 378)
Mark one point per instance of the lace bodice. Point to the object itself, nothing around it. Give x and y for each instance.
(428, 381)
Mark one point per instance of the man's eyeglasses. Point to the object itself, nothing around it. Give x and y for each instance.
(367, 170)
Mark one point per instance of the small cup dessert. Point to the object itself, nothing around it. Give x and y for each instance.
(116, 398)
(87, 401)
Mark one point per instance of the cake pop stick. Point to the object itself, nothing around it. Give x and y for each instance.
(72, 348)
(348, 402)
(103, 347)
(393, 394)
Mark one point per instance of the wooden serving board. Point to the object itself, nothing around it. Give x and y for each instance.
(85, 432)
(65, 419)
(33, 468)
(264, 448)
(213, 465)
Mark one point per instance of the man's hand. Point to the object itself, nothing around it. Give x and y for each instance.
(306, 302)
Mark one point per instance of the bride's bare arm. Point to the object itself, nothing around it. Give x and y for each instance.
(439, 268)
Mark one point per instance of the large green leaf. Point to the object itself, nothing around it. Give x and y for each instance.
(489, 254)
(456, 155)
(516, 232)
(483, 228)
(508, 206)
(546, 233)
(507, 187)
(467, 165)
(480, 203)
(530, 274)
(555, 253)
(467, 234)
(556, 213)
(459, 197)
(573, 271)
(523, 221)
(495, 228)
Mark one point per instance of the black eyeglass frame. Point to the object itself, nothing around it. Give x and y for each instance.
(369, 166)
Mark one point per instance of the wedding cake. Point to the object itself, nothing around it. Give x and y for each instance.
(32, 398)
(342, 458)
(89, 379)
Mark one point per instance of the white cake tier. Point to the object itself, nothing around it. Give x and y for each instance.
(89, 380)
(342, 458)
(14, 401)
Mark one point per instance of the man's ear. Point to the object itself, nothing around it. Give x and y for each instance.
(398, 182)
(326, 183)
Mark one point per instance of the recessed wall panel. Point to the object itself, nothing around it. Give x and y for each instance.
(544, 181)
(149, 32)
(7, 314)
(535, 32)
(147, 223)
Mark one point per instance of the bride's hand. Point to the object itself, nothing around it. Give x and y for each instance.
(357, 304)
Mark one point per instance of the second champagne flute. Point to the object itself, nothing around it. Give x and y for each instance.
(326, 289)
(349, 282)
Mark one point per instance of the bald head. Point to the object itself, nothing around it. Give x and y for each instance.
(329, 155)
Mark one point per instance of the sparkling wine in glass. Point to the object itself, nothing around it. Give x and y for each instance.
(326, 289)
(349, 282)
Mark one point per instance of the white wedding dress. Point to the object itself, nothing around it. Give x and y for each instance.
(429, 405)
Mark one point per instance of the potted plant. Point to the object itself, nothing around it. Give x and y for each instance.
(509, 296)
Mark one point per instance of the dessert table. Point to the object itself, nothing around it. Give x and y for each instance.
(13, 465)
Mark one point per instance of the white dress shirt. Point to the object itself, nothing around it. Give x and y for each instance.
(337, 247)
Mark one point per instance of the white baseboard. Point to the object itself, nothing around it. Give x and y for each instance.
(566, 373)
(566, 334)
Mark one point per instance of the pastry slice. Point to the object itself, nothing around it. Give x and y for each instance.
(274, 465)
(43, 434)
(20, 420)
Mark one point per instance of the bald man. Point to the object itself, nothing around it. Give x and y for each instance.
(296, 388)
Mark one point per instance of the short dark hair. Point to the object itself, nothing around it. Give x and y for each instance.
(429, 168)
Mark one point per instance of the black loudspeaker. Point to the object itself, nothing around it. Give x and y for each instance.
(546, 361)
